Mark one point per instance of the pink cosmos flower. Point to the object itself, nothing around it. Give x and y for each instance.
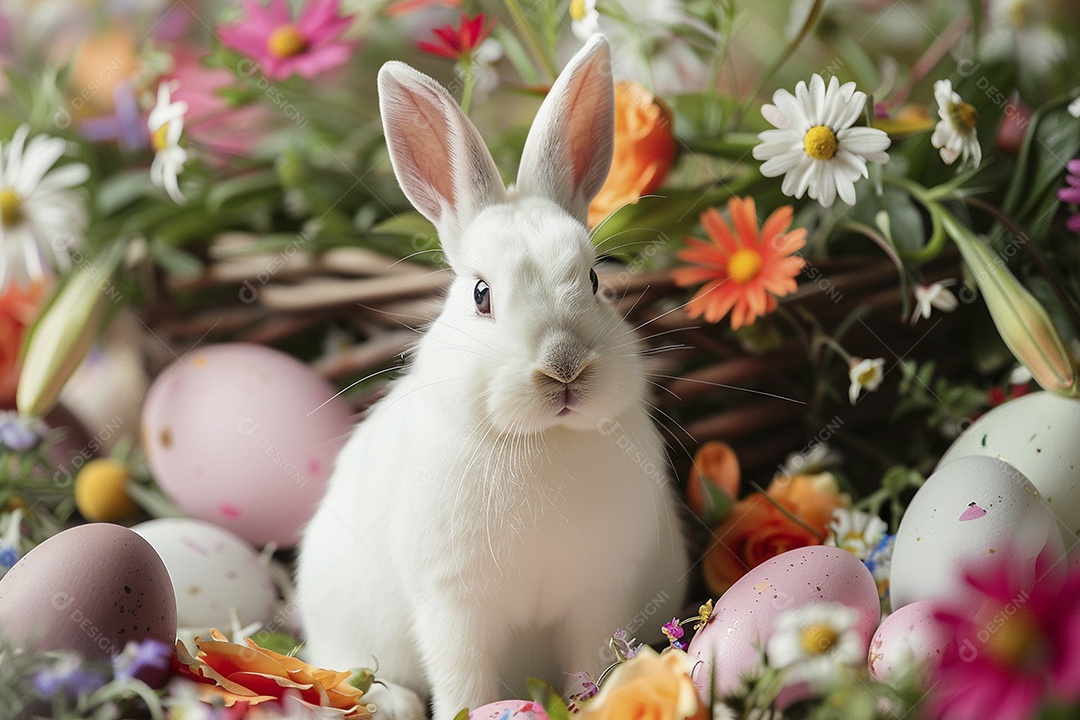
(1071, 193)
(283, 46)
(1016, 642)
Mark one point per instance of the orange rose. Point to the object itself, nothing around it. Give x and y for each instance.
(644, 150)
(649, 685)
(251, 674)
(757, 529)
(18, 307)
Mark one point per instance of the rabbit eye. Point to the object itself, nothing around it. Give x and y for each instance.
(594, 280)
(482, 297)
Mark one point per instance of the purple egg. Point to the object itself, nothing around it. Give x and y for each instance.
(91, 589)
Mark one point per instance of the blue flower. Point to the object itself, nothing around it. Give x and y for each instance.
(140, 656)
(67, 677)
(16, 434)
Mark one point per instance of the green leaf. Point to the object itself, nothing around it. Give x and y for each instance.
(543, 693)
(122, 190)
(175, 261)
(229, 190)
(1051, 141)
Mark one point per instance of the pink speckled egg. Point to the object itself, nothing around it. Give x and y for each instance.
(509, 710)
(729, 646)
(907, 639)
(244, 436)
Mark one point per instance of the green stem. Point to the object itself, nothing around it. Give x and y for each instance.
(930, 200)
(467, 84)
(527, 34)
(780, 59)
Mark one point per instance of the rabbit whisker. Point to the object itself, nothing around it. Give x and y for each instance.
(350, 386)
(732, 387)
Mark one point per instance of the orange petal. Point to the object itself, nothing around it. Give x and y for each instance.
(744, 218)
(684, 277)
(718, 230)
(715, 463)
(776, 224)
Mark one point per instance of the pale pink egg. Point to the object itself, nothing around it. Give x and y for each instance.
(909, 638)
(730, 645)
(244, 436)
(509, 710)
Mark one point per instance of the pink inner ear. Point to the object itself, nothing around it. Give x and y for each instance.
(583, 102)
(423, 130)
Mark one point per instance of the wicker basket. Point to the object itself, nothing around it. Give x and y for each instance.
(378, 303)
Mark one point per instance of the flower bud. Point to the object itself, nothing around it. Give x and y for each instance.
(63, 336)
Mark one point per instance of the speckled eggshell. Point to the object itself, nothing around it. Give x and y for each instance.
(90, 589)
(1039, 435)
(245, 437)
(729, 647)
(509, 710)
(212, 571)
(908, 638)
(969, 509)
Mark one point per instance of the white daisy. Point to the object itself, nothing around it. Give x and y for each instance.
(41, 217)
(166, 123)
(955, 133)
(935, 295)
(865, 373)
(584, 18)
(856, 531)
(816, 643)
(1074, 108)
(815, 147)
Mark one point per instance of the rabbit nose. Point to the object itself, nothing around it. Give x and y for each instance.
(565, 359)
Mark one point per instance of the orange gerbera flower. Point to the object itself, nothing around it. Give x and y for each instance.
(743, 272)
(251, 674)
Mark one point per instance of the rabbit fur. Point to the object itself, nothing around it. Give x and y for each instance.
(505, 508)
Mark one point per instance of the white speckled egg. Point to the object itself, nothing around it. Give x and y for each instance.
(909, 638)
(90, 589)
(244, 436)
(973, 507)
(1039, 435)
(212, 571)
(729, 646)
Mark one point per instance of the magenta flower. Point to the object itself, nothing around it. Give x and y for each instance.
(1071, 193)
(458, 43)
(283, 46)
(1016, 642)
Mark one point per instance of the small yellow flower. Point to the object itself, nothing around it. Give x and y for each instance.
(100, 493)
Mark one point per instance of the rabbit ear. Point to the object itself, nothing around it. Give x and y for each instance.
(439, 158)
(568, 152)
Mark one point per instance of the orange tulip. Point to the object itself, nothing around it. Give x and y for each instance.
(715, 470)
(252, 674)
(644, 150)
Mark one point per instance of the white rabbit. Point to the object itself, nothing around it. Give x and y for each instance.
(505, 508)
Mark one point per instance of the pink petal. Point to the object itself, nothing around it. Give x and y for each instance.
(1020, 699)
(321, 59)
(328, 30)
(279, 12)
(245, 38)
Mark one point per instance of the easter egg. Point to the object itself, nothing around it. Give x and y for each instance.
(213, 571)
(1039, 435)
(908, 638)
(509, 710)
(100, 495)
(729, 646)
(973, 507)
(90, 589)
(244, 436)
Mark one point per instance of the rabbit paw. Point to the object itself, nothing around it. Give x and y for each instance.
(396, 702)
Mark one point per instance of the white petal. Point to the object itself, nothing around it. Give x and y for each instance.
(781, 164)
(864, 141)
(40, 156)
(64, 177)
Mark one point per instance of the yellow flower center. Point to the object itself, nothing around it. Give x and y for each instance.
(286, 41)
(160, 137)
(820, 142)
(1020, 13)
(818, 639)
(1018, 642)
(868, 375)
(11, 212)
(577, 9)
(963, 116)
(744, 265)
